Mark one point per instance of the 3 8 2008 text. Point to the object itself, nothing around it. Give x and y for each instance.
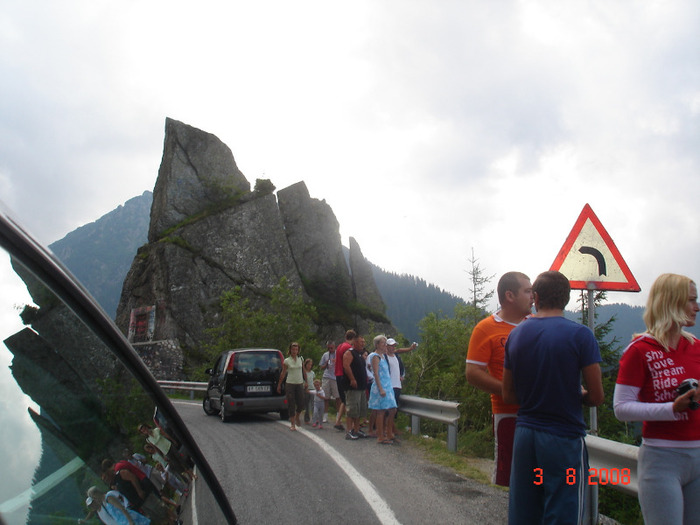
(596, 476)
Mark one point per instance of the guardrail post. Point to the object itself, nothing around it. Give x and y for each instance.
(452, 438)
(415, 425)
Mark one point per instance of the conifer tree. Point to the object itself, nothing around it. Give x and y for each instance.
(479, 294)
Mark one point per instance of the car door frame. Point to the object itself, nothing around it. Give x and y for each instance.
(21, 246)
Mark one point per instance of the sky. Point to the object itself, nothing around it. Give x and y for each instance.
(434, 129)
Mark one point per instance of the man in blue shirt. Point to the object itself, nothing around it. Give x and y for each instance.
(545, 357)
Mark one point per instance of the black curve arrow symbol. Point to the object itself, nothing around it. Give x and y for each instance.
(602, 270)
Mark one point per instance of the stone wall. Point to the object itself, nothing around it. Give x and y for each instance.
(164, 359)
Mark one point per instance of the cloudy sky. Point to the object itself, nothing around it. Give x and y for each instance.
(431, 127)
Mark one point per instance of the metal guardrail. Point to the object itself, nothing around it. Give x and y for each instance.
(612, 464)
(191, 386)
(443, 411)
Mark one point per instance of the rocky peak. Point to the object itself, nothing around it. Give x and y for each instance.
(209, 233)
(314, 238)
(197, 172)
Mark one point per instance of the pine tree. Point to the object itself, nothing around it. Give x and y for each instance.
(479, 296)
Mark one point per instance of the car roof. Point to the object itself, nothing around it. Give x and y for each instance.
(254, 350)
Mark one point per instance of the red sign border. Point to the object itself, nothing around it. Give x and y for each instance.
(587, 213)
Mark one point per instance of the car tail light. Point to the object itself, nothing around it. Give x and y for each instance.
(229, 367)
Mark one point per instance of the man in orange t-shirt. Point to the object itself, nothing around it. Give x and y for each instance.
(484, 368)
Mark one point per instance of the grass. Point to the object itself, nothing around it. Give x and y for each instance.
(472, 449)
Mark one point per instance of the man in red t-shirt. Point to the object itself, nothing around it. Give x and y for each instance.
(340, 376)
(484, 368)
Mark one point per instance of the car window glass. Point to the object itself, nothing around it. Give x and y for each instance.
(221, 364)
(217, 365)
(68, 404)
(257, 361)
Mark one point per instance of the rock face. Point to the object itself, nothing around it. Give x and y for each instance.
(209, 233)
(197, 172)
(314, 238)
(365, 289)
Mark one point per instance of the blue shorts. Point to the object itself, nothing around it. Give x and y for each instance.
(548, 478)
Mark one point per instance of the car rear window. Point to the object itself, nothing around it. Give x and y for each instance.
(256, 361)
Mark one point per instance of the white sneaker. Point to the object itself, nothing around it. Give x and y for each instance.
(325, 418)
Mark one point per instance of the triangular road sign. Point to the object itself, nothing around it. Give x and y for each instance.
(590, 259)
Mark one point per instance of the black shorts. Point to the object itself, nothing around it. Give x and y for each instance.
(397, 395)
(340, 381)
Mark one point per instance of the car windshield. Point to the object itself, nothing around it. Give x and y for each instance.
(72, 407)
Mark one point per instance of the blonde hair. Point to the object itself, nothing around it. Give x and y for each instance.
(379, 339)
(666, 304)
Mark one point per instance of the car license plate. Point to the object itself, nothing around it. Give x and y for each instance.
(258, 389)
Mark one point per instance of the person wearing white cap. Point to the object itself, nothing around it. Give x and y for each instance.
(396, 367)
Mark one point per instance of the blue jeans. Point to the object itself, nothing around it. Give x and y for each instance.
(548, 478)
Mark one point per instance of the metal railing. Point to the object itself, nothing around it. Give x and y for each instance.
(612, 464)
(444, 411)
(190, 386)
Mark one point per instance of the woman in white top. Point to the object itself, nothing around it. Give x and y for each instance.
(293, 371)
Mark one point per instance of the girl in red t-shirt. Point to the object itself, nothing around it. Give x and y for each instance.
(652, 368)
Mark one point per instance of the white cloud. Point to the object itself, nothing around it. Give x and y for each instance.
(429, 128)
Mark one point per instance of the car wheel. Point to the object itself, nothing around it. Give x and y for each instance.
(284, 415)
(222, 412)
(206, 405)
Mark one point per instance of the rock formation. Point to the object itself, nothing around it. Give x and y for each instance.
(197, 172)
(209, 233)
(364, 287)
(314, 238)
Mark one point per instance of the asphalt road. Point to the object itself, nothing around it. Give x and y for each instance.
(273, 475)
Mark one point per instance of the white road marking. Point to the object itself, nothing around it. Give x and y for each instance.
(366, 487)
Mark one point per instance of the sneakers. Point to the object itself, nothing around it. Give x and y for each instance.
(320, 426)
(361, 434)
(314, 425)
(339, 427)
(351, 435)
(325, 418)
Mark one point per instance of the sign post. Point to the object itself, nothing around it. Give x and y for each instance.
(591, 261)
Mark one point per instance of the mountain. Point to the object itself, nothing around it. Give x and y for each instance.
(409, 299)
(100, 253)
